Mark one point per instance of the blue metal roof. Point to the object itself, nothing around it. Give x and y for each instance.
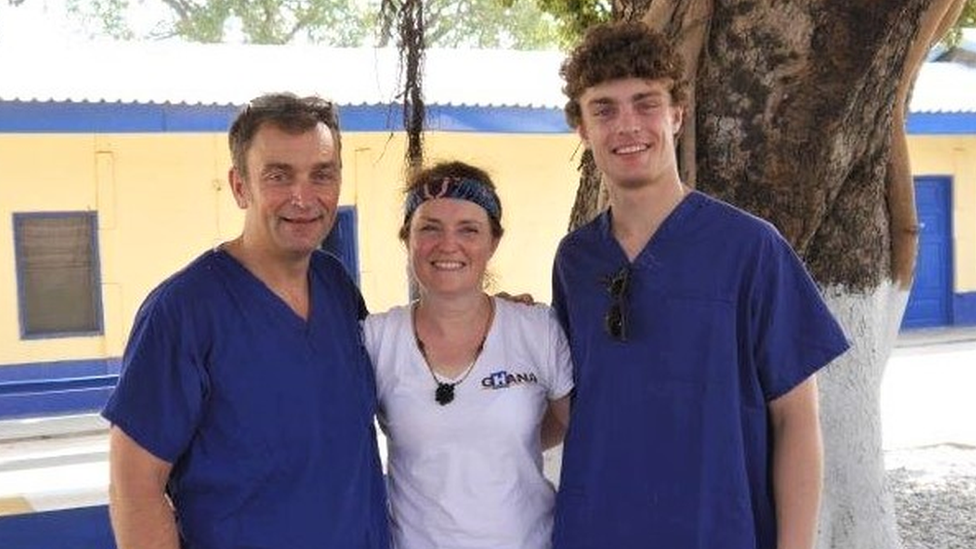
(68, 117)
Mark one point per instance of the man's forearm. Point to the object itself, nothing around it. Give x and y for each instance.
(143, 522)
(142, 517)
(798, 482)
(797, 467)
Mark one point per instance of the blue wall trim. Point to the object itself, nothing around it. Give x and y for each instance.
(964, 309)
(943, 123)
(56, 388)
(54, 402)
(32, 371)
(68, 117)
(87, 527)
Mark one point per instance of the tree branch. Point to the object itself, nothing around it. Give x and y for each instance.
(936, 21)
(687, 25)
(181, 8)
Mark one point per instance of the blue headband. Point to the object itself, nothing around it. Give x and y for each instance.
(465, 188)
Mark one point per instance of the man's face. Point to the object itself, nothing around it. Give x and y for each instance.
(630, 126)
(290, 190)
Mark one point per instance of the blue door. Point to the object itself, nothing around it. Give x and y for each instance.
(342, 240)
(929, 301)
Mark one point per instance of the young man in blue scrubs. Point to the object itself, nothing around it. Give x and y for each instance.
(244, 413)
(695, 331)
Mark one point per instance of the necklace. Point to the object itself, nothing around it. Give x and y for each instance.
(444, 393)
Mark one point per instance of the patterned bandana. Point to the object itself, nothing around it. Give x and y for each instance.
(468, 189)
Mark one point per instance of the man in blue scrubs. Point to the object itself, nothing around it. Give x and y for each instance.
(695, 333)
(244, 413)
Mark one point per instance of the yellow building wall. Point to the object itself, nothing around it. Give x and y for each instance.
(536, 179)
(162, 199)
(41, 173)
(953, 156)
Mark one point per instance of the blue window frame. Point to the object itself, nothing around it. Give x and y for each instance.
(58, 285)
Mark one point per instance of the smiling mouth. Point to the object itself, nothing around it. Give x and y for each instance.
(302, 220)
(447, 265)
(631, 149)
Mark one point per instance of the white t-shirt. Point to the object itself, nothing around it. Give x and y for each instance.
(468, 474)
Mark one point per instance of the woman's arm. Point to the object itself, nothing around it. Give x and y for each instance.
(555, 422)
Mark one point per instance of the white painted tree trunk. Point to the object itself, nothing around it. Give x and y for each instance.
(858, 509)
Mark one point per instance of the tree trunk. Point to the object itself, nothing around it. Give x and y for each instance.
(797, 115)
(591, 196)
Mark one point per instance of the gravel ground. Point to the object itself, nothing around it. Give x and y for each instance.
(935, 496)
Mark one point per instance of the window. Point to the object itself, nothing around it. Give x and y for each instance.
(57, 274)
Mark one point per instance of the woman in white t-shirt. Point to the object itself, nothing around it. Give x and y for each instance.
(471, 388)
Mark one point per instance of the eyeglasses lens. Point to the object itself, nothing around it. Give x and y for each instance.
(615, 320)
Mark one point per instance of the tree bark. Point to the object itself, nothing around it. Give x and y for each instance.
(687, 24)
(798, 115)
(591, 196)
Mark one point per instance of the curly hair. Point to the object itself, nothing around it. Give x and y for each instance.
(457, 171)
(623, 49)
(286, 111)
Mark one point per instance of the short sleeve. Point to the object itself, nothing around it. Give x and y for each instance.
(558, 293)
(371, 325)
(796, 334)
(559, 366)
(383, 337)
(158, 401)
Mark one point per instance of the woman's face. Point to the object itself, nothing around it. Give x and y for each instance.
(449, 245)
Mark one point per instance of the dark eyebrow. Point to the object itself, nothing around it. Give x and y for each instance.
(288, 167)
(277, 166)
(640, 96)
(601, 101)
(648, 95)
(331, 165)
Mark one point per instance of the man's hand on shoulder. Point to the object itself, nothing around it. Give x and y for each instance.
(524, 299)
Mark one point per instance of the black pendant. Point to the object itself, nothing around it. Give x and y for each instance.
(444, 393)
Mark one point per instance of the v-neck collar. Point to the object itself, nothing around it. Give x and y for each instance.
(273, 301)
(669, 228)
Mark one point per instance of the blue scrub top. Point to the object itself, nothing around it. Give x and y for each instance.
(669, 444)
(267, 418)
